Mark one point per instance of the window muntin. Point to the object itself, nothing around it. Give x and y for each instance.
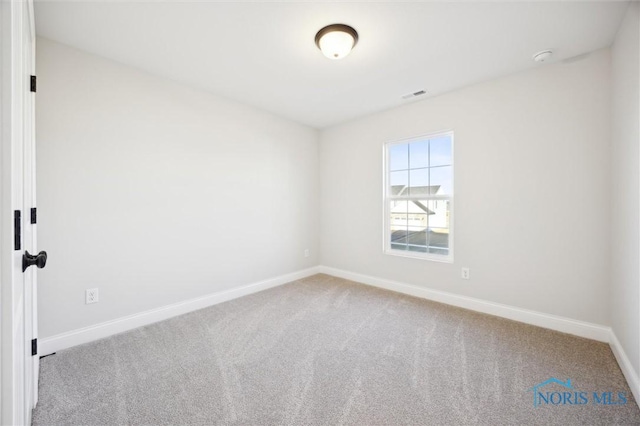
(419, 197)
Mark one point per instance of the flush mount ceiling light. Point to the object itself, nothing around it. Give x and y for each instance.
(336, 40)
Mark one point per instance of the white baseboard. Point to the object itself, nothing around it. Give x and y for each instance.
(625, 365)
(553, 322)
(88, 334)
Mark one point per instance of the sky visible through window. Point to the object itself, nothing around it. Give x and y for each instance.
(422, 163)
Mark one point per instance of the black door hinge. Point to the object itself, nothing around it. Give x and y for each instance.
(17, 227)
(34, 347)
(34, 215)
(33, 83)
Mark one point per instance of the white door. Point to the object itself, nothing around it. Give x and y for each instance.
(32, 363)
(19, 371)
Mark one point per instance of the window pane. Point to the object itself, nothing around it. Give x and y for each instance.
(439, 241)
(417, 220)
(398, 211)
(398, 157)
(398, 224)
(439, 212)
(399, 239)
(398, 245)
(419, 154)
(419, 182)
(444, 252)
(440, 151)
(441, 180)
(417, 239)
(399, 183)
(409, 225)
(439, 226)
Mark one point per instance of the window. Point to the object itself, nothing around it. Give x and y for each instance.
(418, 197)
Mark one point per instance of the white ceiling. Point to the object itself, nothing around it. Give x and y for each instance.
(263, 53)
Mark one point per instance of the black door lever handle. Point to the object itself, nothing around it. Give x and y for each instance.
(40, 260)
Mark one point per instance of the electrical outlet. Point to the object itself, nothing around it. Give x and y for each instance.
(464, 274)
(91, 296)
(306, 252)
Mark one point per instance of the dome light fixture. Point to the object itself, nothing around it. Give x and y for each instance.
(336, 40)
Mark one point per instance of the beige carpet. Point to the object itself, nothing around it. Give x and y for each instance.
(325, 351)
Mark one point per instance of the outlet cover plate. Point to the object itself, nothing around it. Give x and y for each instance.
(91, 296)
(465, 274)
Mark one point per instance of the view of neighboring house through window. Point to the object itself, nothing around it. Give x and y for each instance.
(419, 197)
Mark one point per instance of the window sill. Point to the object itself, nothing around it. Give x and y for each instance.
(421, 256)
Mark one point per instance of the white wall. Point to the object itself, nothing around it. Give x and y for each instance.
(156, 193)
(625, 161)
(532, 184)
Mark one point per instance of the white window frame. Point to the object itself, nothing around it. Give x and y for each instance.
(387, 198)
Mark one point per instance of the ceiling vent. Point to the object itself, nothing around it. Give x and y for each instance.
(415, 94)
